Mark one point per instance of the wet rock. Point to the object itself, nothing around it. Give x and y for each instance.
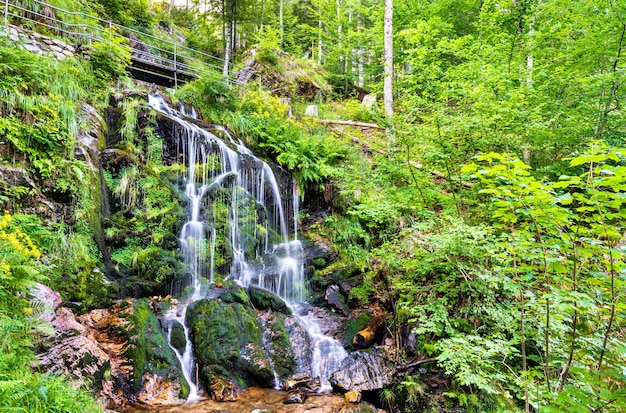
(297, 397)
(364, 371)
(346, 285)
(308, 384)
(363, 407)
(148, 349)
(177, 336)
(276, 345)
(302, 353)
(336, 300)
(234, 294)
(353, 397)
(159, 390)
(266, 300)
(224, 389)
(76, 355)
(227, 338)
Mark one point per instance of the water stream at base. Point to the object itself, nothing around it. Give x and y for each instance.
(223, 174)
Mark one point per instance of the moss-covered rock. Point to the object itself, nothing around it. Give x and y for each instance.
(265, 300)
(277, 345)
(177, 337)
(149, 351)
(353, 326)
(235, 294)
(227, 338)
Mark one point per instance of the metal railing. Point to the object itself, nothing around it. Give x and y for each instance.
(162, 54)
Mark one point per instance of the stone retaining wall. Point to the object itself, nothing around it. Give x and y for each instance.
(38, 43)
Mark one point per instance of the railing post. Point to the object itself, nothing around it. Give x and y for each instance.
(175, 68)
(6, 12)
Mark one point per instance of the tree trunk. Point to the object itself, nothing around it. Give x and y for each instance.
(282, 24)
(366, 337)
(319, 36)
(388, 55)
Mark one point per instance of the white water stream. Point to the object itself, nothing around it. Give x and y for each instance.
(226, 186)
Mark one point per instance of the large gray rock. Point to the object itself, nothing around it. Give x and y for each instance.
(336, 300)
(69, 347)
(13, 176)
(364, 371)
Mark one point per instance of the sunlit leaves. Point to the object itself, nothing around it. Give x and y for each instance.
(559, 240)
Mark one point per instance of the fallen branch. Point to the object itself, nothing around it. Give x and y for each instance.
(350, 123)
(411, 163)
(366, 337)
(416, 363)
(442, 175)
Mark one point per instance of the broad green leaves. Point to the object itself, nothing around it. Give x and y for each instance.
(561, 244)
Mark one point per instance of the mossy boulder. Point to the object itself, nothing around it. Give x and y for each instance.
(263, 299)
(277, 345)
(177, 336)
(235, 294)
(227, 338)
(149, 351)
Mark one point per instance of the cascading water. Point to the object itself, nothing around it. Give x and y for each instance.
(236, 214)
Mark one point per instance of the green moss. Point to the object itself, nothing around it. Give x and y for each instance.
(227, 339)
(148, 348)
(281, 352)
(236, 294)
(265, 300)
(353, 326)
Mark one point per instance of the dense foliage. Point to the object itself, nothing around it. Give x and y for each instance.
(491, 227)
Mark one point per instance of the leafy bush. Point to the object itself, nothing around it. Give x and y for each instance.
(20, 388)
(110, 57)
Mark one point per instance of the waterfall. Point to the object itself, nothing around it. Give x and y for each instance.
(237, 228)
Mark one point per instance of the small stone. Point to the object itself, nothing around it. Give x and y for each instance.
(353, 396)
(296, 398)
(32, 48)
(47, 41)
(59, 56)
(369, 101)
(311, 111)
(68, 53)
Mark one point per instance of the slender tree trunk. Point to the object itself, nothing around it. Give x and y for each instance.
(339, 36)
(226, 39)
(319, 35)
(388, 55)
(282, 24)
(604, 110)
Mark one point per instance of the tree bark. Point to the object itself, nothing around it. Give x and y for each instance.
(388, 57)
(350, 123)
(282, 24)
(319, 35)
(366, 337)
